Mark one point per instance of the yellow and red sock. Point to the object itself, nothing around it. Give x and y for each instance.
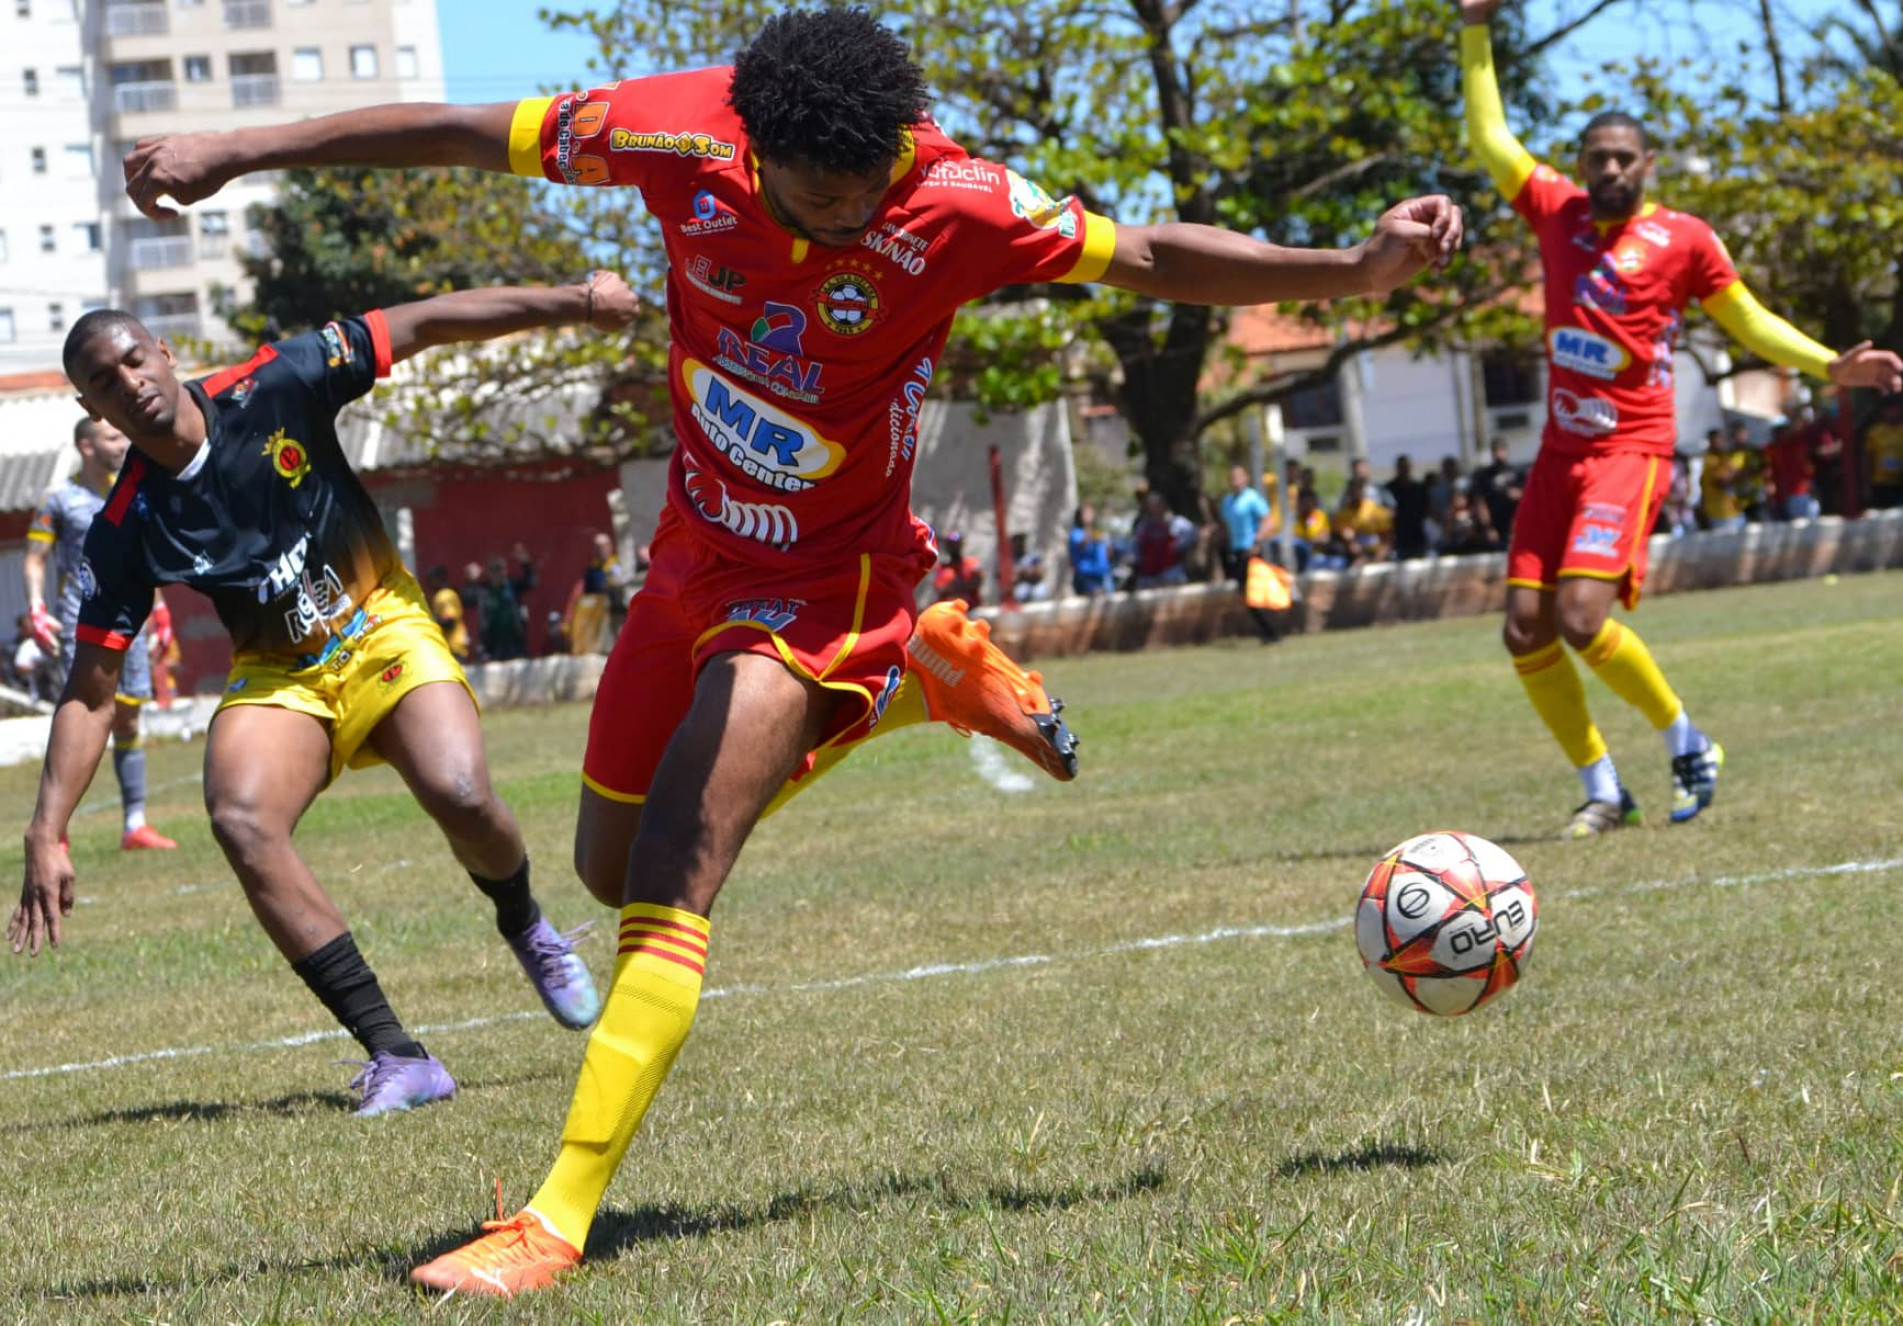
(1627, 667)
(1559, 697)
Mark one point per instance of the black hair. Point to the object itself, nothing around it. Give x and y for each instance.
(89, 325)
(85, 428)
(1614, 119)
(827, 88)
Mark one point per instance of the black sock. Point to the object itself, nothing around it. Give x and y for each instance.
(344, 983)
(515, 905)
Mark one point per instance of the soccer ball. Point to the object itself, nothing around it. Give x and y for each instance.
(1446, 922)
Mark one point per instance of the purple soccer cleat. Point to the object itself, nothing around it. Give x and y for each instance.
(557, 972)
(390, 1082)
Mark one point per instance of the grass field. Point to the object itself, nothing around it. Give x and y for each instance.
(956, 1068)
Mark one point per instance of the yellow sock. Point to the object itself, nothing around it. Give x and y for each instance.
(644, 1023)
(1626, 665)
(1553, 685)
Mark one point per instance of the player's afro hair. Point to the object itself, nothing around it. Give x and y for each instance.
(827, 88)
(1614, 119)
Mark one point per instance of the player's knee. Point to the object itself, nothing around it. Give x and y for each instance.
(463, 804)
(1580, 623)
(243, 832)
(1525, 632)
(677, 867)
(603, 874)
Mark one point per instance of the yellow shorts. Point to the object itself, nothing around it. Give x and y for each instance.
(395, 647)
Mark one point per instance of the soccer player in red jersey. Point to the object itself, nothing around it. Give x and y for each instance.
(821, 231)
(1619, 273)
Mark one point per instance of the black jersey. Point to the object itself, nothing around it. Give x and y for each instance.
(268, 521)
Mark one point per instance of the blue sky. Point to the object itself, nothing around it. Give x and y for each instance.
(497, 49)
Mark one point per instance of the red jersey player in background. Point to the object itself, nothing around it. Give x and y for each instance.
(1619, 273)
(821, 231)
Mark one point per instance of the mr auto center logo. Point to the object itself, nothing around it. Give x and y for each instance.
(1581, 351)
(763, 442)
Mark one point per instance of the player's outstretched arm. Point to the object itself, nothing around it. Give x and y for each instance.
(1776, 341)
(603, 301)
(1193, 264)
(81, 725)
(1503, 155)
(190, 167)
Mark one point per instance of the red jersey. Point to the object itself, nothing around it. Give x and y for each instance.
(796, 371)
(1615, 299)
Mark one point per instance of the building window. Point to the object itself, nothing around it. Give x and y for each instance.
(48, 244)
(39, 161)
(31, 78)
(406, 62)
(307, 64)
(198, 69)
(214, 234)
(6, 325)
(56, 317)
(1510, 378)
(70, 79)
(23, 8)
(86, 236)
(363, 62)
(1314, 407)
(77, 161)
(254, 78)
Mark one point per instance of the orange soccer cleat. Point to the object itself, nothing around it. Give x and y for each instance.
(145, 838)
(512, 1257)
(971, 685)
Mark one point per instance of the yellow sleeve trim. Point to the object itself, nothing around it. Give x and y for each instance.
(1765, 334)
(1506, 159)
(525, 136)
(1100, 243)
(39, 536)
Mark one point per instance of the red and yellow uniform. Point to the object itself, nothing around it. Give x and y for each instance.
(796, 375)
(1615, 294)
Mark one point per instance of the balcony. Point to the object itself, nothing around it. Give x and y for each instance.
(247, 13)
(173, 324)
(131, 98)
(136, 20)
(154, 251)
(254, 89)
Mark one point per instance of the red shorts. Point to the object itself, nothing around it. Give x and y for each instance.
(845, 629)
(1588, 515)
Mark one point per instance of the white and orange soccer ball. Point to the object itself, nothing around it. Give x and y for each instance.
(1446, 922)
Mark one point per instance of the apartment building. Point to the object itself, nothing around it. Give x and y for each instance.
(92, 77)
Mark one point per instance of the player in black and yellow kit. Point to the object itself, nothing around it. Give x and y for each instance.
(237, 486)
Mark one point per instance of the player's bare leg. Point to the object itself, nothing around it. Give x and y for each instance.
(263, 768)
(750, 725)
(1616, 653)
(1534, 625)
(433, 739)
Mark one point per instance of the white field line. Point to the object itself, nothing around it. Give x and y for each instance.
(976, 968)
(987, 757)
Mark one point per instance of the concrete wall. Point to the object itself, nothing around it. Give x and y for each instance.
(1442, 587)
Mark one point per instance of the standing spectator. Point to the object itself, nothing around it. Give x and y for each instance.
(1678, 516)
(1163, 543)
(472, 596)
(505, 613)
(1792, 474)
(1825, 447)
(1441, 490)
(1245, 523)
(1090, 573)
(958, 576)
(1468, 529)
(1359, 468)
(1029, 583)
(1717, 500)
(1883, 453)
(446, 606)
(596, 604)
(1500, 486)
(1410, 510)
(1747, 473)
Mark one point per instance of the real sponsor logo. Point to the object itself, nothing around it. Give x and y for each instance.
(241, 394)
(848, 303)
(902, 415)
(1597, 540)
(237, 685)
(712, 278)
(905, 250)
(88, 582)
(289, 566)
(565, 140)
(1629, 258)
(1580, 351)
(1653, 233)
(711, 216)
(1609, 513)
(201, 564)
(288, 457)
(337, 345)
(763, 442)
(962, 173)
(319, 599)
(774, 614)
(1029, 201)
(1602, 288)
(688, 143)
(773, 354)
(893, 676)
(1584, 416)
(390, 675)
(765, 522)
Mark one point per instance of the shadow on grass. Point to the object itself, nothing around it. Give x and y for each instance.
(1369, 1155)
(126, 1286)
(617, 1230)
(292, 1105)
